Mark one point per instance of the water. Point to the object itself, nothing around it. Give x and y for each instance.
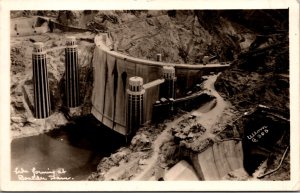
(68, 153)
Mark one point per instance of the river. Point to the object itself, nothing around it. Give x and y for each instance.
(71, 152)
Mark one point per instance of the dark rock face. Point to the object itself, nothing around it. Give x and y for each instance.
(226, 45)
(265, 81)
(264, 134)
(69, 17)
(261, 75)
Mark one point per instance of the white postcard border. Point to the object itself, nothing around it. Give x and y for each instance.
(6, 184)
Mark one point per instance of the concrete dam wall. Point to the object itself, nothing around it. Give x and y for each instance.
(214, 163)
(112, 71)
(218, 160)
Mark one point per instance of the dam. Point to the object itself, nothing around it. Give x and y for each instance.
(112, 71)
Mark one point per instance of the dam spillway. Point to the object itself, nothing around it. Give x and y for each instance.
(218, 160)
(112, 71)
(214, 163)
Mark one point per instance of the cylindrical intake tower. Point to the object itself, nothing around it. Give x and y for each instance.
(72, 77)
(135, 105)
(42, 106)
(167, 89)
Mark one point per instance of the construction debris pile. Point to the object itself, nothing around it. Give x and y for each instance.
(189, 134)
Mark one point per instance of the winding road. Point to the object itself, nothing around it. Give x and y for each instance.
(207, 115)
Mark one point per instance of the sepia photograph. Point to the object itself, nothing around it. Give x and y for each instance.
(189, 95)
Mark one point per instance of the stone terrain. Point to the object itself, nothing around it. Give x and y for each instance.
(259, 75)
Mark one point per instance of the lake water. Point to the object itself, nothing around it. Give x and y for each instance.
(71, 152)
